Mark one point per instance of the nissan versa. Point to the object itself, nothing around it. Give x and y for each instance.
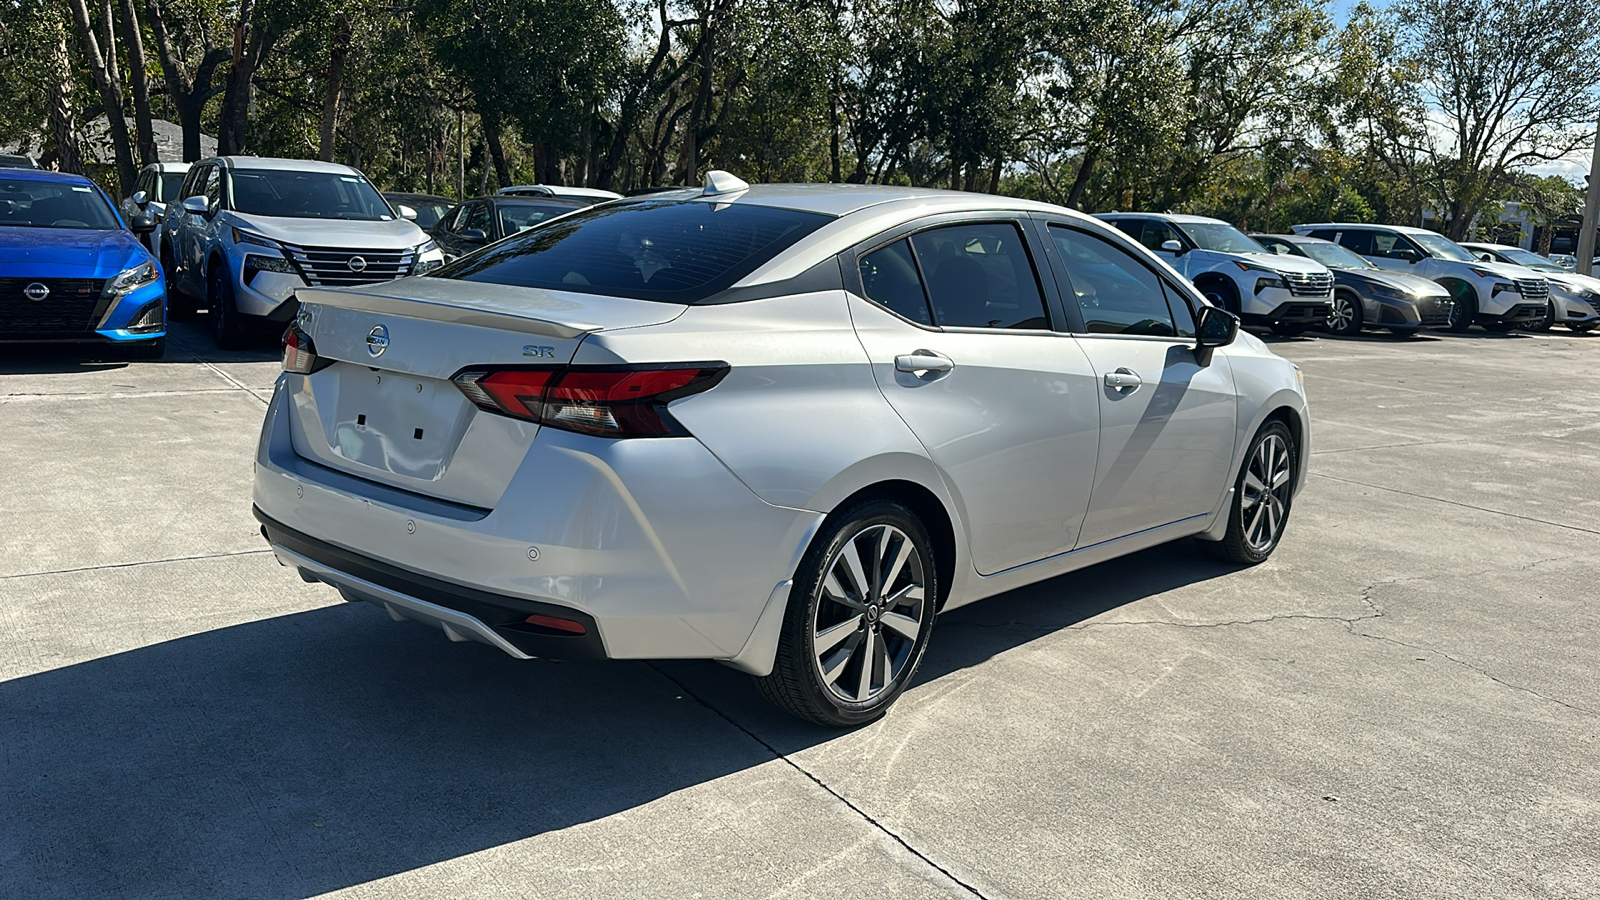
(778, 426)
(70, 270)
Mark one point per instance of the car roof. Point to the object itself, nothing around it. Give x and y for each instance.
(165, 167)
(1403, 229)
(1180, 218)
(1292, 238)
(46, 175)
(557, 190)
(1488, 246)
(248, 163)
(408, 194)
(838, 200)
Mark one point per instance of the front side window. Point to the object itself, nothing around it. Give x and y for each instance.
(889, 278)
(520, 215)
(476, 216)
(1361, 242)
(1115, 293)
(307, 195)
(980, 276)
(1157, 232)
(676, 251)
(167, 185)
(194, 182)
(213, 187)
(1278, 246)
(1442, 247)
(1221, 237)
(47, 204)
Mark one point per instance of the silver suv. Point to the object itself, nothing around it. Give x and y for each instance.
(1499, 296)
(1289, 294)
(778, 426)
(246, 233)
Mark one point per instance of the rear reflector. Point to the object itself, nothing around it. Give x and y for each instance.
(610, 401)
(556, 624)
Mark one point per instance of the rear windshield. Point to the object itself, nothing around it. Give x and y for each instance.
(53, 204)
(675, 251)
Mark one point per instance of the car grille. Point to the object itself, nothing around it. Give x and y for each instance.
(1435, 310)
(1534, 289)
(1310, 285)
(332, 265)
(73, 307)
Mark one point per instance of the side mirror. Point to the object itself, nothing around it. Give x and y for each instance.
(1214, 328)
(475, 236)
(196, 204)
(140, 199)
(1173, 247)
(1405, 253)
(143, 223)
(406, 212)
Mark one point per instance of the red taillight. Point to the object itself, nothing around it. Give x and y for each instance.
(299, 354)
(555, 624)
(611, 401)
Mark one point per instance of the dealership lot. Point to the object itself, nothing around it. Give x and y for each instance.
(1401, 702)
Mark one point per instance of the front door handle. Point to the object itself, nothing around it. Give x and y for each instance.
(922, 361)
(1123, 379)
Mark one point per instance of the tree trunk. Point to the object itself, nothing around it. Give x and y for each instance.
(461, 153)
(333, 89)
(108, 42)
(189, 94)
(133, 38)
(251, 43)
(1091, 158)
(497, 151)
(63, 118)
(110, 97)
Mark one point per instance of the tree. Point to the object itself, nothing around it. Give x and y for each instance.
(105, 80)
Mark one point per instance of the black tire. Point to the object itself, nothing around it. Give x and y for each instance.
(1500, 327)
(1221, 292)
(225, 325)
(180, 306)
(798, 684)
(148, 349)
(1404, 332)
(1466, 306)
(1581, 329)
(1543, 324)
(1244, 543)
(1345, 307)
(1290, 329)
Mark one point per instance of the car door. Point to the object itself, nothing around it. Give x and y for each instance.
(184, 228)
(954, 319)
(1166, 422)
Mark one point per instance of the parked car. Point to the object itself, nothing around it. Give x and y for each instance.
(1289, 294)
(485, 220)
(777, 426)
(1365, 296)
(251, 231)
(156, 186)
(71, 270)
(427, 208)
(587, 195)
(1566, 261)
(1497, 296)
(17, 161)
(1574, 299)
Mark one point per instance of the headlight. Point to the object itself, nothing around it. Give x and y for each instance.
(131, 279)
(269, 264)
(429, 257)
(1271, 281)
(240, 236)
(1389, 293)
(1501, 288)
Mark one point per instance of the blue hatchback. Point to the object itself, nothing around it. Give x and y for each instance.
(71, 270)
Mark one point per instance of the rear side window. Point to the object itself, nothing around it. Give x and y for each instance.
(675, 251)
(1156, 233)
(1358, 242)
(980, 276)
(1116, 293)
(1327, 234)
(889, 278)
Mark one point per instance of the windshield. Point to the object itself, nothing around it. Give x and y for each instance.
(1220, 237)
(1532, 260)
(673, 251)
(52, 204)
(307, 195)
(1441, 246)
(170, 182)
(1334, 256)
(520, 215)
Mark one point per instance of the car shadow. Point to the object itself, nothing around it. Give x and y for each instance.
(187, 342)
(304, 753)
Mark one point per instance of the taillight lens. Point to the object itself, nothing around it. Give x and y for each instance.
(299, 354)
(610, 401)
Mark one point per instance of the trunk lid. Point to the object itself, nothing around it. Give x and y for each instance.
(386, 409)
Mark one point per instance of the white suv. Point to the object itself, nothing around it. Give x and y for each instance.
(1290, 294)
(246, 233)
(1498, 296)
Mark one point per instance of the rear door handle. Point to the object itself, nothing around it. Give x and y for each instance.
(1123, 379)
(923, 361)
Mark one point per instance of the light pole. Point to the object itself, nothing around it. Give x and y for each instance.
(1591, 206)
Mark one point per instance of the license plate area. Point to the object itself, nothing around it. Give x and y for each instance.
(397, 423)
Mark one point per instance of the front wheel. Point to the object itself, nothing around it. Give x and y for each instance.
(1222, 294)
(1262, 496)
(1544, 323)
(1290, 329)
(225, 324)
(1464, 309)
(1344, 315)
(859, 614)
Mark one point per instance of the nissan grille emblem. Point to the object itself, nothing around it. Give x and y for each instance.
(357, 264)
(36, 291)
(377, 340)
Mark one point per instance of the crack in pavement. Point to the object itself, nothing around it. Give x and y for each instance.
(1484, 509)
(780, 755)
(1472, 668)
(136, 564)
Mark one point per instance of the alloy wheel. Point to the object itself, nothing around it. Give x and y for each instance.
(872, 609)
(1266, 493)
(1341, 314)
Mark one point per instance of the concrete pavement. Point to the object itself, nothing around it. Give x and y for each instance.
(1402, 703)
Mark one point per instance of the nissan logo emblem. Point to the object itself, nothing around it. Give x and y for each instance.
(377, 340)
(36, 291)
(357, 264)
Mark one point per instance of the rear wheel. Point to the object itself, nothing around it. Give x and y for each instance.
(1290, 329)
(1262, 496)
(1465, 306)
(225, 324)
(858, 619)
(1344, 315)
